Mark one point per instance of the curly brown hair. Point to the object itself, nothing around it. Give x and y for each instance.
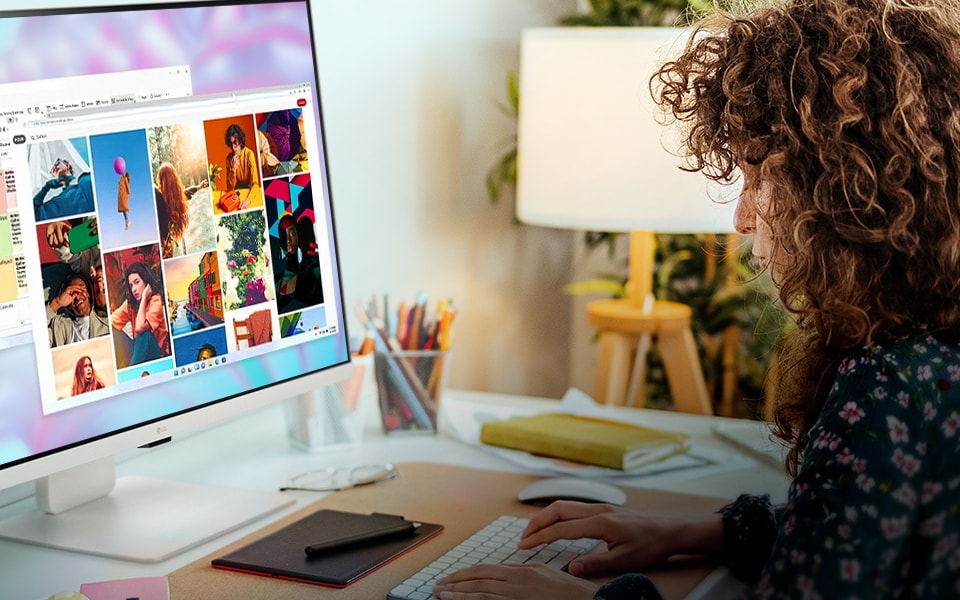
(850, 110)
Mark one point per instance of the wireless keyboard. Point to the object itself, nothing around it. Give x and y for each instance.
(494, 543)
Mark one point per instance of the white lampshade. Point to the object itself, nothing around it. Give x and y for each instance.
(592, 154)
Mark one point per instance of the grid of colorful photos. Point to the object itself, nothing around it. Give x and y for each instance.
(164, 249)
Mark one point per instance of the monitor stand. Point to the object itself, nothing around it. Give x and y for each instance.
(142, 519)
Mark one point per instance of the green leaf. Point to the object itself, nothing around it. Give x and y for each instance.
(513, 92)
(493, 186)
(501, 174)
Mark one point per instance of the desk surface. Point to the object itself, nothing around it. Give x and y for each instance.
(252, 452)
(462, 499)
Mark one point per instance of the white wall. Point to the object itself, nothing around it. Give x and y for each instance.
(413, 94)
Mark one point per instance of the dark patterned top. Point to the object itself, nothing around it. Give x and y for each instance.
(875, 509)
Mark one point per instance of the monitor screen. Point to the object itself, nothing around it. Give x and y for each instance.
(167, 245)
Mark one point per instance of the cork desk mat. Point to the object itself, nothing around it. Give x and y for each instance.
(459, 498)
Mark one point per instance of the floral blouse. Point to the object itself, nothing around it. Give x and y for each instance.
(875, 510)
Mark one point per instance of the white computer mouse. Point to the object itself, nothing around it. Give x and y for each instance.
(546, 491)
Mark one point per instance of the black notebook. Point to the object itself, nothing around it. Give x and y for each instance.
(281, 553)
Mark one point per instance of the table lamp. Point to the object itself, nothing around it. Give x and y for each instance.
(593, 155)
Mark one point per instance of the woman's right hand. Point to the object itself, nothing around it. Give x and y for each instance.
(57, 234)
(634, 541)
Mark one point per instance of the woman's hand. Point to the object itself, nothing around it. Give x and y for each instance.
(140, 323)
(57, 234)
(634, 542)
(75, 295)
(513, 582)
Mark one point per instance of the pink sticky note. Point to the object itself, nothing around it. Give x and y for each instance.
(140, 588)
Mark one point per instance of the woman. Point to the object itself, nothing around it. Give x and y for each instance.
(85, 378)
(123, 198)
(143, 309)
(73, 312)
(173, 214)
(241, 161)
(842, 116)
(74, 194)
(206, 352)
(299, 254)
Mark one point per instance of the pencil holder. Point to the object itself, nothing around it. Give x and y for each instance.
(331, 417)
(409, 384)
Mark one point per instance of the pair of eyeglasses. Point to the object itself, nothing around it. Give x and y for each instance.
(334, 479)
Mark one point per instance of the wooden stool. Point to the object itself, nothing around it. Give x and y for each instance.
(623, 327)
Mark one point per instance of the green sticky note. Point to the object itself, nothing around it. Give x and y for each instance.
(6, 241)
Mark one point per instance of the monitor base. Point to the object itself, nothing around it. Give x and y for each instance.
(145, 519)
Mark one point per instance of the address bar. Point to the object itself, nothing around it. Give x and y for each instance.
(165, 106)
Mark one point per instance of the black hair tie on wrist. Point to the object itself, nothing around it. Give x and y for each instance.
(633, 586)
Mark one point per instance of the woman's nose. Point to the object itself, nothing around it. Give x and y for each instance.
(745, 217)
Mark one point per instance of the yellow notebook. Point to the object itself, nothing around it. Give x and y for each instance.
(584, 439)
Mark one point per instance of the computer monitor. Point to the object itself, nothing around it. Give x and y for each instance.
(167, 255)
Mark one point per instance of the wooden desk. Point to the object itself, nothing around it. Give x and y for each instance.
(459, 498)
(253, 453)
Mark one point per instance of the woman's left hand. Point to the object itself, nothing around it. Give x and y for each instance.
(516, 582)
